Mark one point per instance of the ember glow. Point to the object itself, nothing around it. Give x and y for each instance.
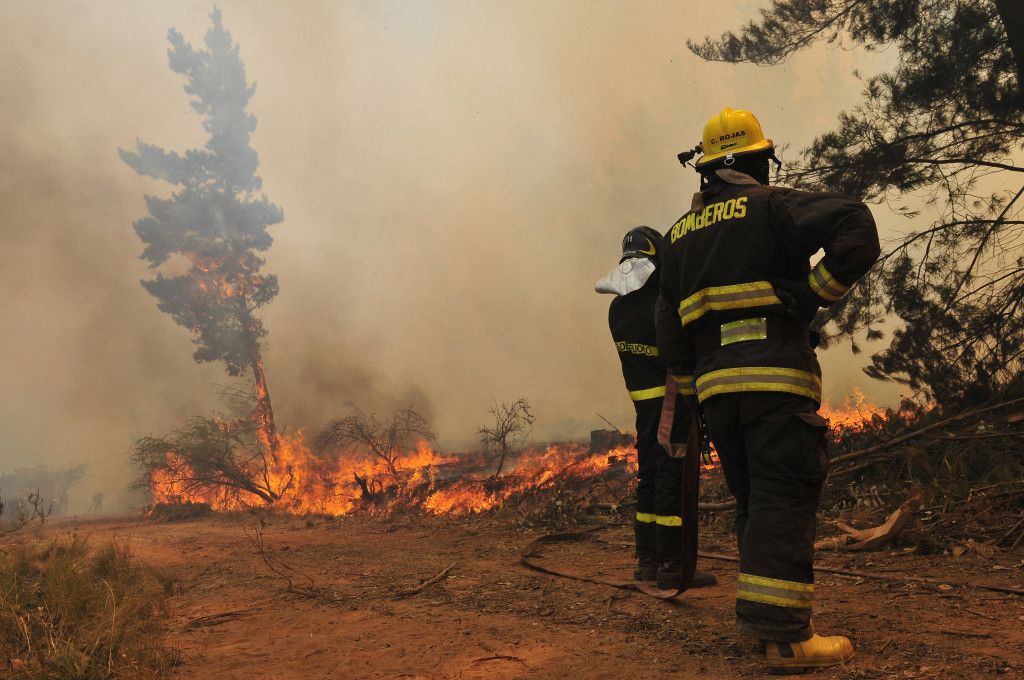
(853, 413)
(425, 480)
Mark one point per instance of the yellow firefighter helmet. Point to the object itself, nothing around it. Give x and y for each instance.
(733, 132)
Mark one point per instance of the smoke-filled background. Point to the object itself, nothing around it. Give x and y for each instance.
(455, 177)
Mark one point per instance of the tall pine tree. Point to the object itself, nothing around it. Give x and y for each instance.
(215, 220)
(946, 122)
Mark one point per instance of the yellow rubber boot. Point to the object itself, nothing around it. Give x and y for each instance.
(816, 652)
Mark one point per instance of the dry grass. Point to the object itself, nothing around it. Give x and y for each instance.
(68, 610)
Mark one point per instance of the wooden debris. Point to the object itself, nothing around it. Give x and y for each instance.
(499, 657)
(217, 619)
(426, 584)
(875, 537)
(966, 633)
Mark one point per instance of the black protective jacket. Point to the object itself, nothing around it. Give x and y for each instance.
(736, 287)
(631, 320)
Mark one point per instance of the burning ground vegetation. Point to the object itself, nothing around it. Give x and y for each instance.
(363, 464)
(959, 474)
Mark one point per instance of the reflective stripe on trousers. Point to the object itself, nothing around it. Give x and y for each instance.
(663, 520)
(775, 591)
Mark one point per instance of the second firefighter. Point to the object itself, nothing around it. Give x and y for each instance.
(658, 522)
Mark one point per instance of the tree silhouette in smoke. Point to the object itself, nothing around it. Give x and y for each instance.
(214, 220)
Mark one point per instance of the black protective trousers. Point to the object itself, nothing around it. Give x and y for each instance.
(659, 502)
(772, 446)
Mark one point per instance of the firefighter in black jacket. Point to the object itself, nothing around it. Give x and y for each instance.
(736, 299)
(658, 496)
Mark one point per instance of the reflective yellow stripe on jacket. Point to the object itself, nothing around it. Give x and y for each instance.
(738, 296)
(649, 393)
(744, 330)
(759, 379)
(825, 285)
(775, 591)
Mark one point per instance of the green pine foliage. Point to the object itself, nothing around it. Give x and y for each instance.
(215, 220)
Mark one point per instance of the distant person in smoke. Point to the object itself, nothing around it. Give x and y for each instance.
(658, 522)
(97, 503)
(738, 297)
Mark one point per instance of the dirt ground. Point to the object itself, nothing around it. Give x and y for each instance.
(492, 618)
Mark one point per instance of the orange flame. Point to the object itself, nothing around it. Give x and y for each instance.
(854, 413)
(311, 484)
(304, 482)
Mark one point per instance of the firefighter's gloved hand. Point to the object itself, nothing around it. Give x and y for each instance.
(797, 297)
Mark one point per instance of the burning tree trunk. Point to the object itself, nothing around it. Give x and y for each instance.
(215, 220)
(263, 414)
(264, 407)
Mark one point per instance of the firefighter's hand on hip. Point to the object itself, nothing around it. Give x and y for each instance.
(797, 298)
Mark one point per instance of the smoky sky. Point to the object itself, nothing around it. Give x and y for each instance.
(454, 178)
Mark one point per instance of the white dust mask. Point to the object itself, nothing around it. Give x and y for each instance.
(629, 276)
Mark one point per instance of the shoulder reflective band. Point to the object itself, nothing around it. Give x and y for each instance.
(637, 348)
(743, 330)
(684, 385)
(739, 296)
(646, 517)
(759, 379)
(650, 393)
(825, 285)
(669, 520)
(775, 591)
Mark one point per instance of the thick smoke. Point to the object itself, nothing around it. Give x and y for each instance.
(455, 177)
